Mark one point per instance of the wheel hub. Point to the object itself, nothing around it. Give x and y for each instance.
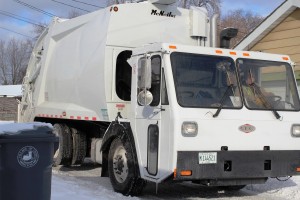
(120, 167)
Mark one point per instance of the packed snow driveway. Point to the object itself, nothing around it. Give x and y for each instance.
(80, 183)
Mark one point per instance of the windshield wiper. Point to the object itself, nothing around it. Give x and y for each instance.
(256, 90)
(229, 87)
(264, 100)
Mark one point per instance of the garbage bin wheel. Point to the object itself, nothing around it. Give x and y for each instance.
(79, 146)
(63, 155)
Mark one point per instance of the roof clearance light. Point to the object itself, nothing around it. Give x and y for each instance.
(232, 53)
(285, 58)
(246, 54)
(219, 52)
(172, 47)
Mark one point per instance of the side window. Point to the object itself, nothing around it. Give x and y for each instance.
(155, 79)
(123, 76)
(164, 93)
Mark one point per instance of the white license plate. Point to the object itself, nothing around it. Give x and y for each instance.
(208, 158)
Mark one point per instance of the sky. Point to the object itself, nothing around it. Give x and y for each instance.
(260, 7)
(11, 27)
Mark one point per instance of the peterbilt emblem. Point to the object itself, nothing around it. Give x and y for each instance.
(247, 128)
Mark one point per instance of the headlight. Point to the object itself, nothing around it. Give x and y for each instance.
(296, 130)
(189, 129)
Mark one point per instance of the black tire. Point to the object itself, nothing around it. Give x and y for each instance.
(79, 146)
(123, 172)
(63, 155)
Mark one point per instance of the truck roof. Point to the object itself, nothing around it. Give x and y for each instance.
(136, 24)
(173, 47)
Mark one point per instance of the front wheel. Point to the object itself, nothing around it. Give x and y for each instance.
(122, 169)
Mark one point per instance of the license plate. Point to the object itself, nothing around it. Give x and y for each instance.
(208, 158)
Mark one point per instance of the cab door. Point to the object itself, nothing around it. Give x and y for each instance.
(148, 113)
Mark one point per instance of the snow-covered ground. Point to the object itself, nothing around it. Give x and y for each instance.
(65, 187)
(70, 188)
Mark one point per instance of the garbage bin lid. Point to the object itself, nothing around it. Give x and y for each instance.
(14, 129)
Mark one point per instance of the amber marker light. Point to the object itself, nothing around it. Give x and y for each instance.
(298, 169)
(175, 173)
(232, 53)
(172, 47)
(246, 54)
(186, 173)
(219, 52)
(285, 58)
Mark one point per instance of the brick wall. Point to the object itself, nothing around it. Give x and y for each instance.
(8, 109)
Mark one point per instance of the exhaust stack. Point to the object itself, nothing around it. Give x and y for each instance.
(213, 31)
(226, 35)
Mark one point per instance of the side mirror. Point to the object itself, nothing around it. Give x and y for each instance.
(144, 78)
(145, 98)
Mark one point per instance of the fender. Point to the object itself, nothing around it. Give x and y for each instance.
(124, 132)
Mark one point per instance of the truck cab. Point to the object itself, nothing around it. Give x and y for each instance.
(216, 116)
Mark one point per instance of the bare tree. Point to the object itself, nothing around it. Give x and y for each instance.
(212, 6)
(112, 2)
(74, 13)
(245, 21)
(3, 63)
(38, 29)
(14, 57)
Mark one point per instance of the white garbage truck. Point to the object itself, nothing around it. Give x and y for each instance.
(142, 89)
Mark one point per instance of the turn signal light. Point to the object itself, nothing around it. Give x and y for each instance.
(298, 169)
(186, 173)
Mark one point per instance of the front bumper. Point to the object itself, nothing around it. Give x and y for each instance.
(238, 167)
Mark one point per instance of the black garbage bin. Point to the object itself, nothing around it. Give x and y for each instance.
(26, 157)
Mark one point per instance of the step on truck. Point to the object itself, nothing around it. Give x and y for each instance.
(142, 89)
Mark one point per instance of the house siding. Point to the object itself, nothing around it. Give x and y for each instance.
(8, 109)
(284, 39)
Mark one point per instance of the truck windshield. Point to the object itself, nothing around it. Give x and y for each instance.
(205, 81)
(268, 85)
